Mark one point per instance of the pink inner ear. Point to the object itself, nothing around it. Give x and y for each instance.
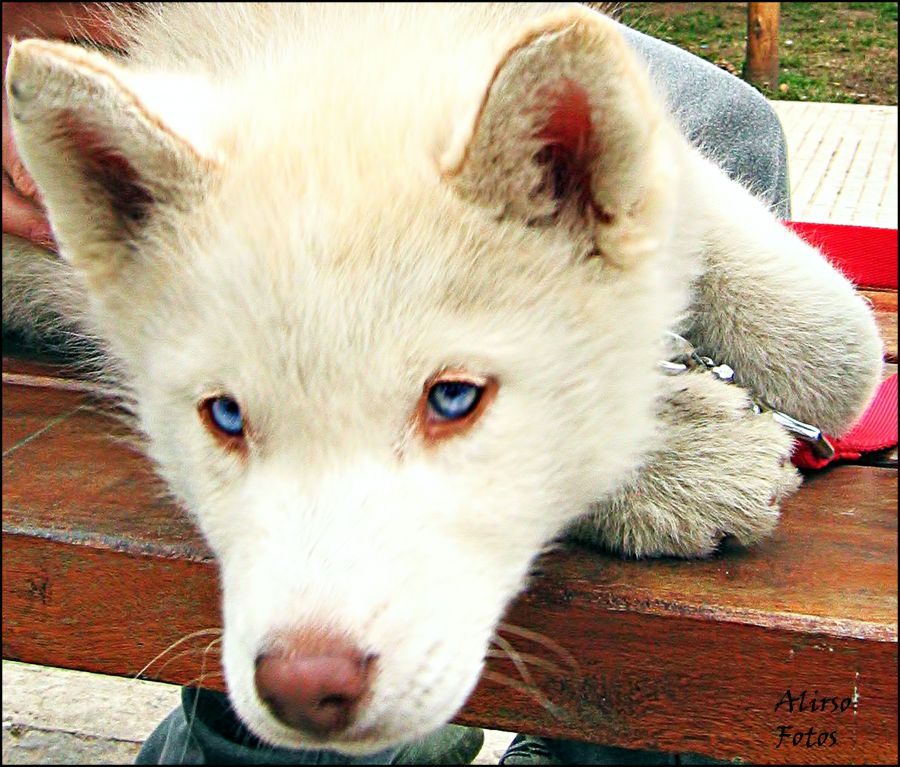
(102, 163)
(569, 126)
(570, 144)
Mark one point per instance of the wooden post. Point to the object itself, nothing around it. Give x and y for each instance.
(761, 64)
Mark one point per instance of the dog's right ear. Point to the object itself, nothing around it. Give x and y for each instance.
(104, 163)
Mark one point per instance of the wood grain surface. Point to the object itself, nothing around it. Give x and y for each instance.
(100, 573)
(884, 304)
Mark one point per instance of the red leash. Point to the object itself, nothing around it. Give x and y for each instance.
(867, 256)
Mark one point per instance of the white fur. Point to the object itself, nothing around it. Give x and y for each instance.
(343, 210)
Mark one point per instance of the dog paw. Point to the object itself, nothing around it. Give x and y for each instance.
(719, 470)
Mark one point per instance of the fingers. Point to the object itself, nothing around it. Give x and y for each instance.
(24, 218)
(12, 163)
(23, 215)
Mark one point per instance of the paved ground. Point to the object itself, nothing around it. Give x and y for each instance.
(56, 716)
(843, 165)
(843, 162)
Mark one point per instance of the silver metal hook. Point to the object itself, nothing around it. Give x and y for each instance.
(684, 357)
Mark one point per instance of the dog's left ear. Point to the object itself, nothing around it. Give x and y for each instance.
(569, 133)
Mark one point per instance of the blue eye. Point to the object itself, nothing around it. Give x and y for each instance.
(452, 400)
(225, 415)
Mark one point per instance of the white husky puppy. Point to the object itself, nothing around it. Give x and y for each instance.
(387, 288)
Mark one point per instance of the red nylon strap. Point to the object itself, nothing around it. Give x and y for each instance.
(875, 430)
(868, 257)
(865, 254)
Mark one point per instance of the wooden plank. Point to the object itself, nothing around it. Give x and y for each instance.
(79, 602)
(82, 484)
(98, 574)
(666, 658)
(648, 677)
(33, 410)
(884, 304)
(678, 684)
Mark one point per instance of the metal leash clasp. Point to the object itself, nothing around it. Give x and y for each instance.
(684, 356)
(805, 431)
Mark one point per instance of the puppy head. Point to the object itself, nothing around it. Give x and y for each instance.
(381, 378)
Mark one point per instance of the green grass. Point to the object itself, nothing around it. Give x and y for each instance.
(838, 52)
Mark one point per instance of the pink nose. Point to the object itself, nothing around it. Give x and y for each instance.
(313, 682)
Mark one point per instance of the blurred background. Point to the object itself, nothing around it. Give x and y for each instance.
(828, 52)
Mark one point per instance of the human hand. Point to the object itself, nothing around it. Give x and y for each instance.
(23, 213)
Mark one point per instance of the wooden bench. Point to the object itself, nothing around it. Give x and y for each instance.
(100, 574)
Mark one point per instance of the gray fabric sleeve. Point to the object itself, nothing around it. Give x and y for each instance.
(727, 119)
